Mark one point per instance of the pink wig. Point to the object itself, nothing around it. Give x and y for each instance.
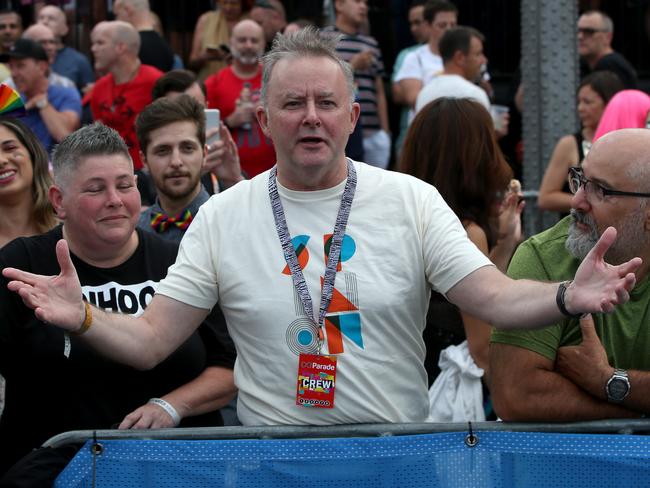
(627, 109)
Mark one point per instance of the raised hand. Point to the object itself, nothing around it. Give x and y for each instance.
(55, 299)
(223, 158)
(510, 217)
(598, 286)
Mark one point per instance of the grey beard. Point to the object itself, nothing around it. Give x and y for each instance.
(245, 59)
(577, 242)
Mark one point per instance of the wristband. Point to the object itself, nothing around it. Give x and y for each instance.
(88, 321)
(561, 304)
(167, 407)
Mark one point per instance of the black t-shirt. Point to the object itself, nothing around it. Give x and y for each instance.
(616, 63)
(55, 382)
(155, 51)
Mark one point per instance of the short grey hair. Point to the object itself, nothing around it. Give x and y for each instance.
(92, 140)
(307, 42)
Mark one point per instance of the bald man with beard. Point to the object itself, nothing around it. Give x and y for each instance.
(595, 367)
(235, 91)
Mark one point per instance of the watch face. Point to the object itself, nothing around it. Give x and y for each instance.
(617, 388)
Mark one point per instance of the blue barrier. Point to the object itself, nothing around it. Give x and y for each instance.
(499, 459)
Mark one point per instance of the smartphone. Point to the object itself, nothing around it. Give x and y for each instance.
(212, 118)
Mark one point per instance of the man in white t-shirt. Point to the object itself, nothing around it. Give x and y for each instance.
(422, 64)
(260, 250)
(461, 49)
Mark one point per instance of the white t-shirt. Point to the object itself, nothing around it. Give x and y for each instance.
(400, 237)
(454, 86)
(420, 64)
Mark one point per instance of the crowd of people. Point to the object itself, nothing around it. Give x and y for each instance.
(155, 267)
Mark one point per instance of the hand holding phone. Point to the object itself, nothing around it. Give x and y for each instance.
(212, 120)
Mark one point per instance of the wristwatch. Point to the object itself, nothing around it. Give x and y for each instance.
(618, 386)
(41, 104)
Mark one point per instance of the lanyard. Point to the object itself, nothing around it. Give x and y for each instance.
(334, 252)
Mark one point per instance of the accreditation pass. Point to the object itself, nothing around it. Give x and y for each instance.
(316, 381)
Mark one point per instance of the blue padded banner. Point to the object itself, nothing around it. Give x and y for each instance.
(500, 459)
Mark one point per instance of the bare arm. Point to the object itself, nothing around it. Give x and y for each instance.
(598, 287)
(408, 91)
(524, 387)
(551, 197)
(198, 55)
(59, 124)
(140, 342)
(382, 107)
(211, 390)
(476, 330)
(509, 231)
(587, 366)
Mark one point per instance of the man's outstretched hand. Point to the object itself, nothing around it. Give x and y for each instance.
(598, 287)
(55, 300)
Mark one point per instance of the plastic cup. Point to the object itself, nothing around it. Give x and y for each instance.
(498, 113)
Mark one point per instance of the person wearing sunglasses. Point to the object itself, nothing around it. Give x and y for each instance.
(595, 33)
(597, 366)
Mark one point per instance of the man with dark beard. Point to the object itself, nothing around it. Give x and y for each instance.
(172, 138)
(235, 91)
(597, 366)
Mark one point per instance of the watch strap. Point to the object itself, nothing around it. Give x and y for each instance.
(618, 375)
(561, 303)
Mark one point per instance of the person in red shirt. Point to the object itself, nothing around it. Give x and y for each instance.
(235, 91)
(121, 94)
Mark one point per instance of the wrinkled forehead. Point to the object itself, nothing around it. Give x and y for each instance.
(303, 74)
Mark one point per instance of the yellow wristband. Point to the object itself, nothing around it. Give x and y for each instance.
(88, 321)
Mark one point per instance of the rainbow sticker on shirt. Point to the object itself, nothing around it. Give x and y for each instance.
(343, 319)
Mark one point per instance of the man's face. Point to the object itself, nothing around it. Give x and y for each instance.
(45, 37)
(308, 117)
(99, 202)
(10, 30)
(474, 59)
(103, 48)
(419, 27)
(54, 18)
(247, 43)
(442, 22)
(267, 19)
(352, 11)
(120, 11)
(591, 215)
(175, 158)
(27, 73)
(592, 40)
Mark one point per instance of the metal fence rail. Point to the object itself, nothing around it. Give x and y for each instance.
(640, 426)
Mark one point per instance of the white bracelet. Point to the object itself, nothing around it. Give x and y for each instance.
(167, 407)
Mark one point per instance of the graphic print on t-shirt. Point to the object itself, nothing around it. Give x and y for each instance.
(116, 297)
(342, 318)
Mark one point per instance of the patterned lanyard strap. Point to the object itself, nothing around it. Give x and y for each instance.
(334, 253)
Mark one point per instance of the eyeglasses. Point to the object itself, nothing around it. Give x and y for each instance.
(589, 31)
(577, 180)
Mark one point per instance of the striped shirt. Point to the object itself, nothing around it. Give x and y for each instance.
(348, 46)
